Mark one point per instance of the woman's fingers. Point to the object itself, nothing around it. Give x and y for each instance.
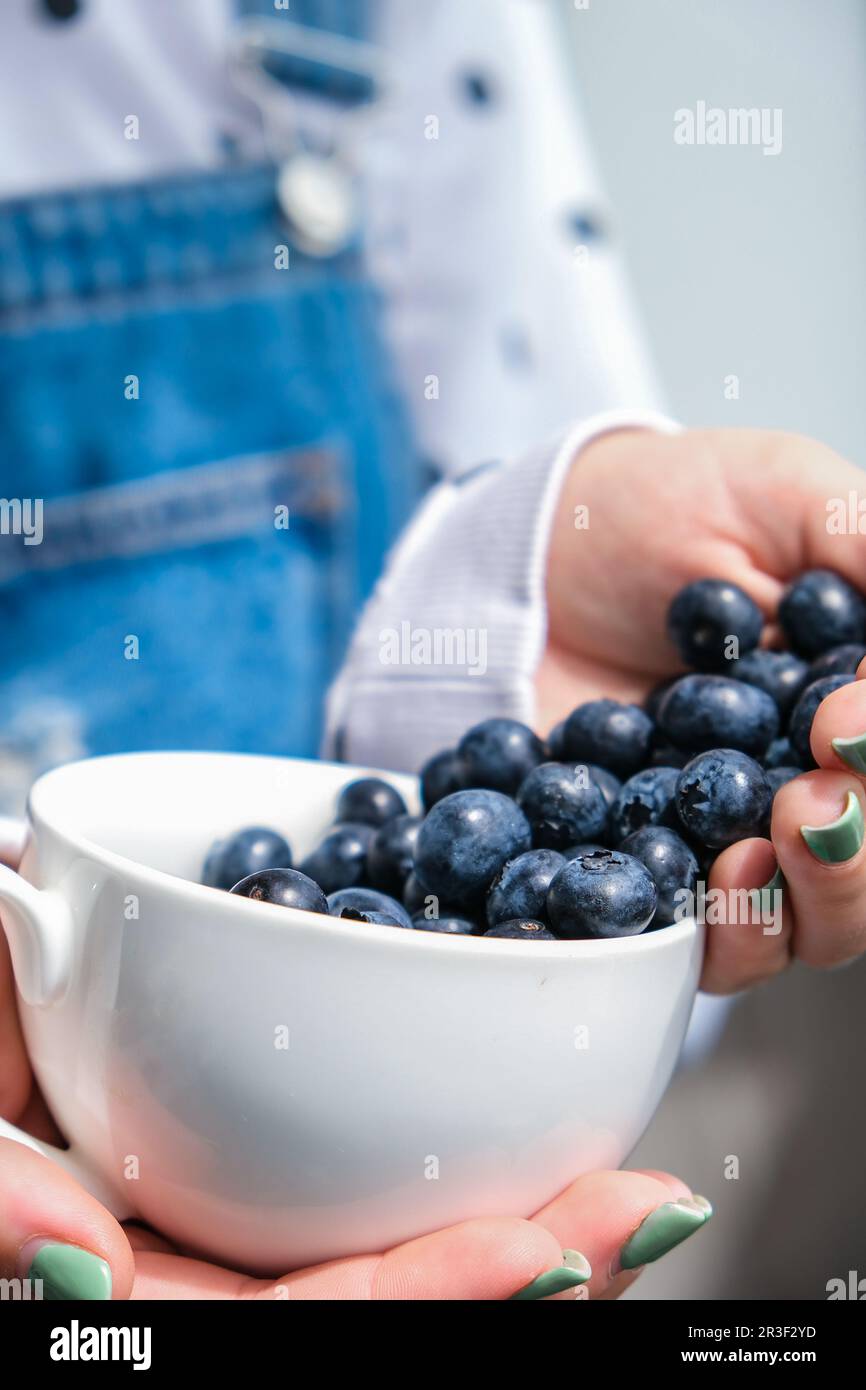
(54, 1231)
(817, 832)
(748, 930)
(594, 1236)
(485, 1259)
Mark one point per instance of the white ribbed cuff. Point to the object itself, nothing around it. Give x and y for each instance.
(457, 625)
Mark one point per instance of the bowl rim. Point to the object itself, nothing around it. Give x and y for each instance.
(272, 918)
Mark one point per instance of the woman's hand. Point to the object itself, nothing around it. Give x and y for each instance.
(751, 507)
(42, 1208)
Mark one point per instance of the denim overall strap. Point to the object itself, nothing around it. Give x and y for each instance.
(350, 19)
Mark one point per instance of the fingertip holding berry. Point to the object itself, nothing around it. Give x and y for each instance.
(574, 1270)
(852, 751)
(840, 839)
(662, 1230)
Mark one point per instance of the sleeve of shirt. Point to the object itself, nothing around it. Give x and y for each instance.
(457, 625)
(508, 319)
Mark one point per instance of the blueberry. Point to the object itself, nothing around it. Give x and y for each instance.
(604, 731)
(369, 801)
(703, 712)
(285, 887)
(451, 926)
(499, 753)
(371, 917)
(723, 796)
(672, 864)
(555, 749)
(779, 776)
(340, 861)
(821, 610)
(465, 840)
(838, 661)
(781, 675)
(647, 798)
(656, 695)
(441, 775)
(391, 853)
(607, 784)
(245, 853)
(603, 894)
(364, 904)
(800, 723)
(665, 755)
(563, 805)
(703, 618)
(780, 754)
(520, 887)
(574, 851)
(522, 929)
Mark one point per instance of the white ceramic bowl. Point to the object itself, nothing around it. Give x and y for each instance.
(275, 1088)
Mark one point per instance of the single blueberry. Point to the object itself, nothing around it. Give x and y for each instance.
(606, 782)
(247, 852)
(371, 916)
(285, 888)
(616, 736)
(674, 869)
(554, 741)
(647, 798)
(723, 796)
(523, 929)
(391, 853)
(563, 805)
(520, 887)
(574, 851)
(800, 723)
(369, 801)
(499, 753)
(603, 894)
(781, 675)
(364, 903)
(441, 775)
(838, 661)
(821, 610)
(464, 841)
(656, 695)
(665, 755)
(449, 926)
(780, 754)
(340, 861)
(703, 712)
(704, 617)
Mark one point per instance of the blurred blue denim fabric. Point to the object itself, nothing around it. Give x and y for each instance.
(257, 388)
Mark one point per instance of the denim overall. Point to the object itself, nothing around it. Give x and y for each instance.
(220, 456)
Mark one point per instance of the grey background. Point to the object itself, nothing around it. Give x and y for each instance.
(751, 264)
(741, 262)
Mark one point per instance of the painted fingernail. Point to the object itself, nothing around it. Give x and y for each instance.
(68, 1273)
(841, 839)
(852, 751)
(664, 1228)
(575, 1269)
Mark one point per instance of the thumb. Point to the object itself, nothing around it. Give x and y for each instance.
(54, 1231)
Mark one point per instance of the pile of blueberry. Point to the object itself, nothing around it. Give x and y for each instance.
(597, 830)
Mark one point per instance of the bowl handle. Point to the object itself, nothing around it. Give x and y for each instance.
(77, 1168)
(39, 929)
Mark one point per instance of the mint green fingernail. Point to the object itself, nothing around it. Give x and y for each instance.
(762, 898)
(664, 1228)
(69, 1274)
(841, 839)
(575, 1269)
(852, 751)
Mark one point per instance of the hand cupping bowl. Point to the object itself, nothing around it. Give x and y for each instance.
(274, 1089)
